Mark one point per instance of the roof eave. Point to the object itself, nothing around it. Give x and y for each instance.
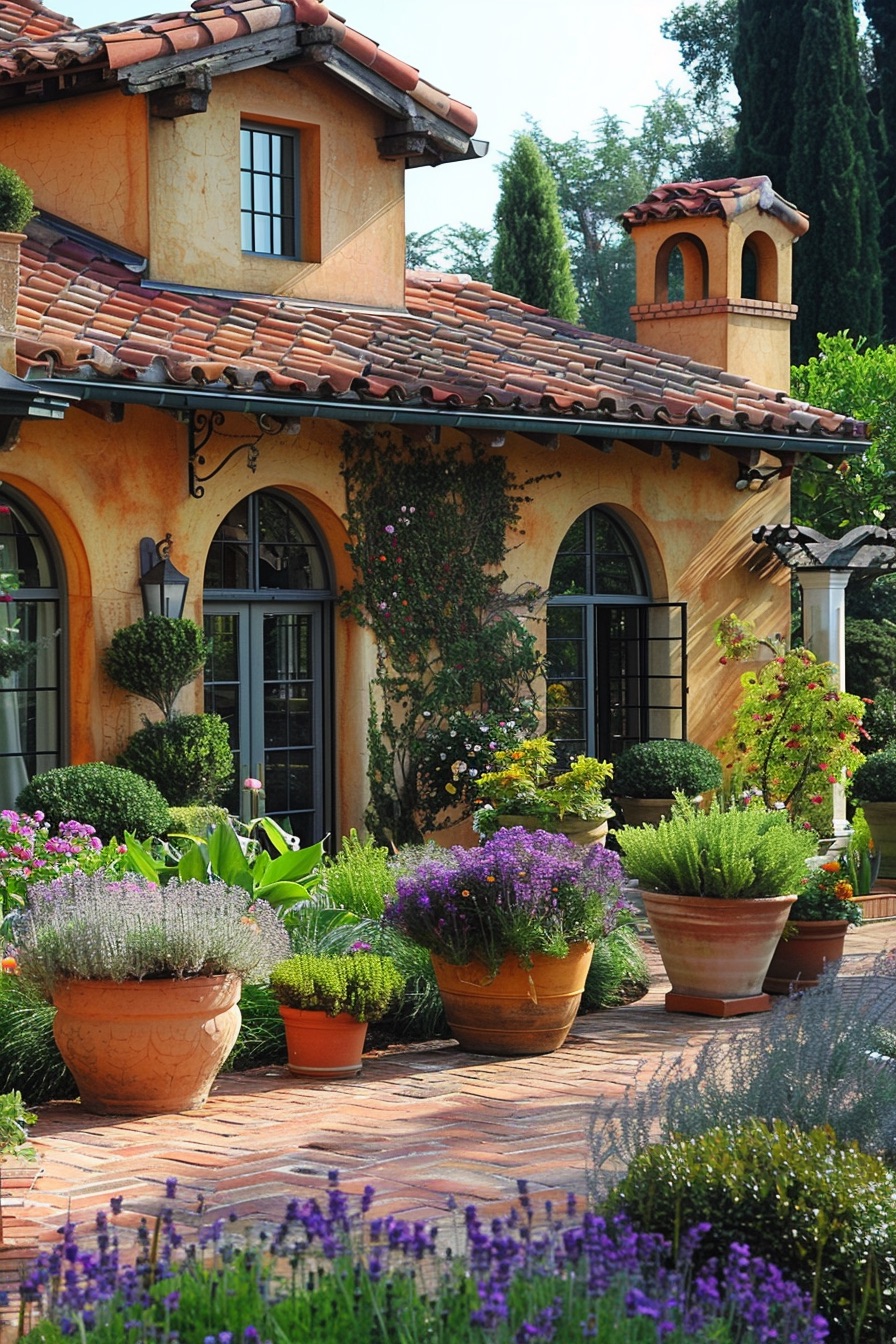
(735, 442)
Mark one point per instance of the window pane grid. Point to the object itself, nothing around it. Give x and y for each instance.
(268, 173)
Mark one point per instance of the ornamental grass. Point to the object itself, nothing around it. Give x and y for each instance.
(327, 1274)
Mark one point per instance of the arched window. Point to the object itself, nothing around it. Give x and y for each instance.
(615, 658)
(30, 731)
(268, 598)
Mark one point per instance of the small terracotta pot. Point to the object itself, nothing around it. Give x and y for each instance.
(799, 960)
(516, 1011)
(146, 1047)
(320, 1046)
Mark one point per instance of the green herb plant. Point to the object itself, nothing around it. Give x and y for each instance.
(729, 853)
(361, 983)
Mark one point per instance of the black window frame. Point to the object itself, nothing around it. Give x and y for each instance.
(256, 173)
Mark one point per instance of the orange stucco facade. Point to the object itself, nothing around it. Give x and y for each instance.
(169, 189)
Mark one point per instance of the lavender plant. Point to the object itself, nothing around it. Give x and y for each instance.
(520, 892)
(327, 1273)
(88, 926)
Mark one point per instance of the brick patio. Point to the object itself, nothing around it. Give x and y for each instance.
(419, 1123)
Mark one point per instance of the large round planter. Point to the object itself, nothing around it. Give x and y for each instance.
(516, 1011)
(320, 1046)
(638, 811)
(716, 952)
(146, 1047)
(574, 828)
(801, 956)
(645, 811)
(881, 819)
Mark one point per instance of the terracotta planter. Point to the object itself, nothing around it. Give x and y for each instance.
(799, 960)
(574, 828)
(881, 819)
(637, 811)
(320, 1046)
(641, 811)
(716, 952)
(146, 1047)
(517, 1011)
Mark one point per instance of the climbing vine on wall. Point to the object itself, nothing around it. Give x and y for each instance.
(429, 529)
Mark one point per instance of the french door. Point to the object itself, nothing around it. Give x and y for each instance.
(266, 679)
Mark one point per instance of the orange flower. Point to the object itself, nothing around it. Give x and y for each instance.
(10, 965)
(830, 867)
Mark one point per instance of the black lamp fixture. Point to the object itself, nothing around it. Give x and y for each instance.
(163, 587)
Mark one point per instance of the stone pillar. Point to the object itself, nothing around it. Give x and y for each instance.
(824, 632)
(10, 245)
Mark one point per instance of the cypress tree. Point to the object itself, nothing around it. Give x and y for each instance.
(881, 15)
(531, 257)
(766, 54)
(837, 273)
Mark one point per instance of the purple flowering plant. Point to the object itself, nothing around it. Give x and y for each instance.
(31, 852)
(520, 892)
(331, 1270)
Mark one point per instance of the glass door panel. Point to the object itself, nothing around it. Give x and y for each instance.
(265, 680)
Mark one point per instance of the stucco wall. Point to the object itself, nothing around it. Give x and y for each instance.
(353, 201)
(101, 487)
(98, 181)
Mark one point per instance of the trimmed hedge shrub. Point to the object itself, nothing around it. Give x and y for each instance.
(823, 1212)
(156, 657)
(16, 201)
(188, 759)
(106, 797)
(662, 768)
(874, 781)
(195, 820)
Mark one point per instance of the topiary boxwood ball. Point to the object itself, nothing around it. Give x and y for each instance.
(665, 767)
(106, 797)
(874, 781)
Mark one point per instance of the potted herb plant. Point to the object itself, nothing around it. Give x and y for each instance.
(815, 931)
(326, 1001)
(647, 775)
(874, 787)
(510, 927)
(146, 981)
(525, 789)
(717, 887)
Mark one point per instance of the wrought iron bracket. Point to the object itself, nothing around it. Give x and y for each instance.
(200, 428)
(201, 425)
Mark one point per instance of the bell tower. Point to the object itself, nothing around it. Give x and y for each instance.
(713, 274)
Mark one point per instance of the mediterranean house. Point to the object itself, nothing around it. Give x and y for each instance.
(214, 288)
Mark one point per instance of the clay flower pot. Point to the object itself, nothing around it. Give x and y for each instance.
(800, 958)
(716, 952)
(146, 1047)
(321, 1046)
(517, 1011)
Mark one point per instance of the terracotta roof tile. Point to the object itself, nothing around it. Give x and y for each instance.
(33, 38)
(727, 197)
(83, 314)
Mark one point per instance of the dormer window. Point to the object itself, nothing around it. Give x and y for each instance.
(269, 172)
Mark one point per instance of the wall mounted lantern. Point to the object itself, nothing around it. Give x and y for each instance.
(163, 587)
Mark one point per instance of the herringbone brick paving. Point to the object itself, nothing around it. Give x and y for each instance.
(420, 1124)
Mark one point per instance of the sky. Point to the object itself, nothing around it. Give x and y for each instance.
(562, 64)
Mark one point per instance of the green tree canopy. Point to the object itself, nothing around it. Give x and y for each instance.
(531, 252)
